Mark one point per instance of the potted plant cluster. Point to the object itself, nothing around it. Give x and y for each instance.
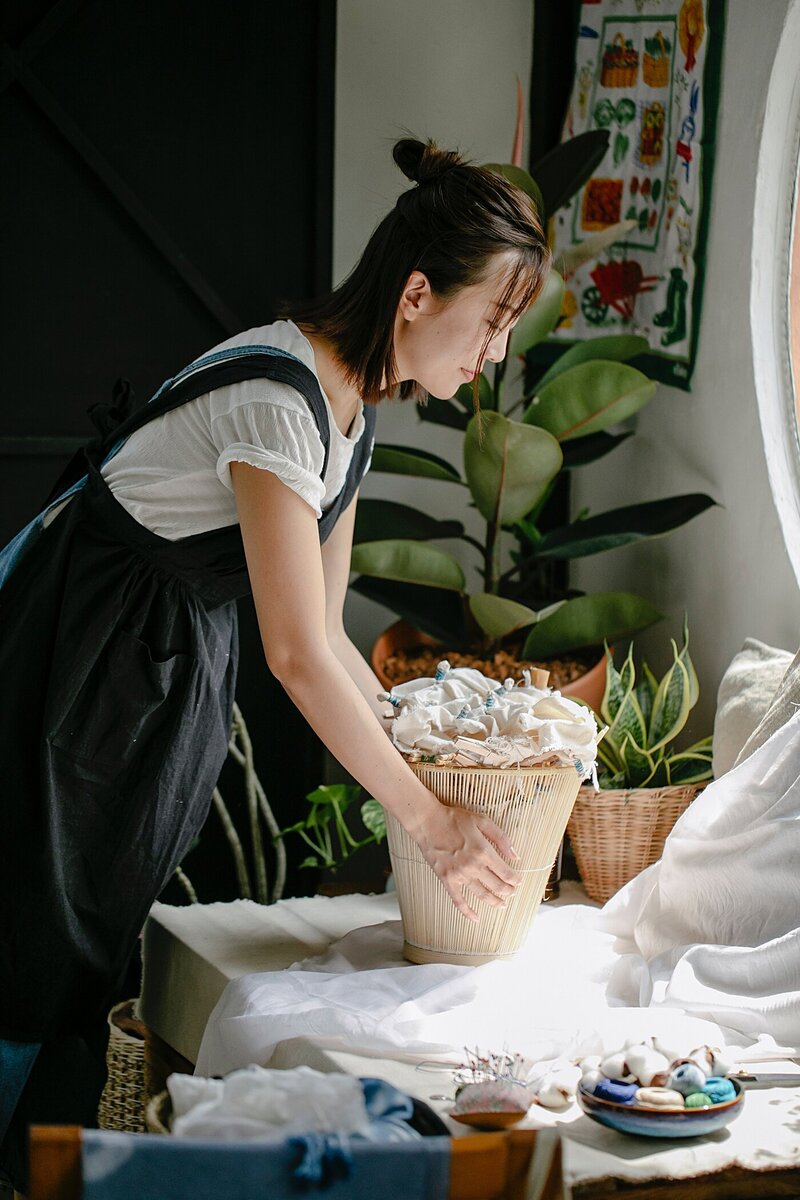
(512, 462)
(645, 782)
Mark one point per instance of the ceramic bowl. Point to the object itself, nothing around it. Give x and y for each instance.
(662, 1122)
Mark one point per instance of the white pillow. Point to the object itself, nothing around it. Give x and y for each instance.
(745, 693)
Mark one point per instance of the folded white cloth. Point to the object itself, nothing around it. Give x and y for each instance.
(255, 1102)
(514, 725)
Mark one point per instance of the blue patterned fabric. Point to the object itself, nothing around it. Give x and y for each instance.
(120, 1166)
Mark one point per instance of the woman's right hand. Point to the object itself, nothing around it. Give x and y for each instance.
(464, 849)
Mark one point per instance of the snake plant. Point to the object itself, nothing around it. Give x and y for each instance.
(643, 719)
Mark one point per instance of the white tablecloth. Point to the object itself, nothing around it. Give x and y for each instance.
(192, 953)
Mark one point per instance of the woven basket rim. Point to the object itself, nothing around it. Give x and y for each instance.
(670, 789)
(477, 769)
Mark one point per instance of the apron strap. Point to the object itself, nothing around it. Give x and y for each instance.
(261, 362)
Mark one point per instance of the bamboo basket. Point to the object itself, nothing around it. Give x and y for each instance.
(531, 805)
(122, 1103)
(615, 834)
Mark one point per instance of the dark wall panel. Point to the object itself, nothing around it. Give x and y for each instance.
(167, 178)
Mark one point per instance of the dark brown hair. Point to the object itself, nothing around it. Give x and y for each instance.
(449, 227)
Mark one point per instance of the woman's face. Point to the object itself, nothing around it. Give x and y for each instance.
(438, 343)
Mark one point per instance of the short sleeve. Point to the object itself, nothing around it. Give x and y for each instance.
(268, 425)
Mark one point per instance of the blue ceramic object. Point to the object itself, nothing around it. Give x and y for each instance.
(662, 1122)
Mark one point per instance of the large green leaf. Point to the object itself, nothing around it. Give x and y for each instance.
(507, 470)
(567, 167)
(521, 179)
(590, 621)
(498, 617)
(671, 704)
(434, 610)
(443, 412)
(580, 451)
(588, 398)
(539, 320)
(408, 562)
(379, 519)
(620, 527)
(408, 460)
(617, 347)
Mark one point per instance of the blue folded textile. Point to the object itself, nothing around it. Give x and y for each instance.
(132, 1166)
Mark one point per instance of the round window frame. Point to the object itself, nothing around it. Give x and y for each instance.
(777, 208)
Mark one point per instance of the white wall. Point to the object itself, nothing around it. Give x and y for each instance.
(446, 68)
(438, 68)
(728, 568)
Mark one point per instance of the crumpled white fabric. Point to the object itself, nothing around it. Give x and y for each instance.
(254, 1102)
(518, 725)
(703, 947)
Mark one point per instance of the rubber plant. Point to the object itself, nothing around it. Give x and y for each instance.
(643, 719)
(513, 455)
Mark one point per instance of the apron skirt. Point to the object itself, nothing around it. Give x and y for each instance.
(122, 648)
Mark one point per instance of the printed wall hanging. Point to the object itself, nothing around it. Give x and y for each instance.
(648, 71)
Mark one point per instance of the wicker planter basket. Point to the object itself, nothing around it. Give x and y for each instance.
(530, 804)
(122, 1103)
(616, 834)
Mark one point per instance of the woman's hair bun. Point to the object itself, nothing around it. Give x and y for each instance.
(423, 161)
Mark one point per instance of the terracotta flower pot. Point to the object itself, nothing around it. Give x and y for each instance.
(402, 636)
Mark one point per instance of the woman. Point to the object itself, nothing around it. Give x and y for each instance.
(118, 624)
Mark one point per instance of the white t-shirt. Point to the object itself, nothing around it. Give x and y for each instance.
(173, 475)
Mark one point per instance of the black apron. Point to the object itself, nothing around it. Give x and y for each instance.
(118, 654)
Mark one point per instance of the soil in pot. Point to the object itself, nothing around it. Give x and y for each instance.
(414, 661)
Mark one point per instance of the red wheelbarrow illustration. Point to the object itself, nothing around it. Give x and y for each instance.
(617, 286)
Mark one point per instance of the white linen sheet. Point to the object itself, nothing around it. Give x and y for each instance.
(703, 947)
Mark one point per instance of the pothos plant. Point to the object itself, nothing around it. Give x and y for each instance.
(643, 719)
(325, 831)
(514, 455)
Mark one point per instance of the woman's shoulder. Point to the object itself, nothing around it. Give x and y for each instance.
(281, 335)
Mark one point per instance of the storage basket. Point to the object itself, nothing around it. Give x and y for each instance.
(615, 834)
(531, 805)
(122, 1103)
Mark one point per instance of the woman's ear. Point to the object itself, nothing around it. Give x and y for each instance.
(416, 299)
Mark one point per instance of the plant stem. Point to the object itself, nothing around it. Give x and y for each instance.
(259, 860)
(245, 890)
(186, 884)
(471, 541)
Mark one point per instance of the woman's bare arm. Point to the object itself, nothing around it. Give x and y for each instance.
(336, 570)
(285, 565)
